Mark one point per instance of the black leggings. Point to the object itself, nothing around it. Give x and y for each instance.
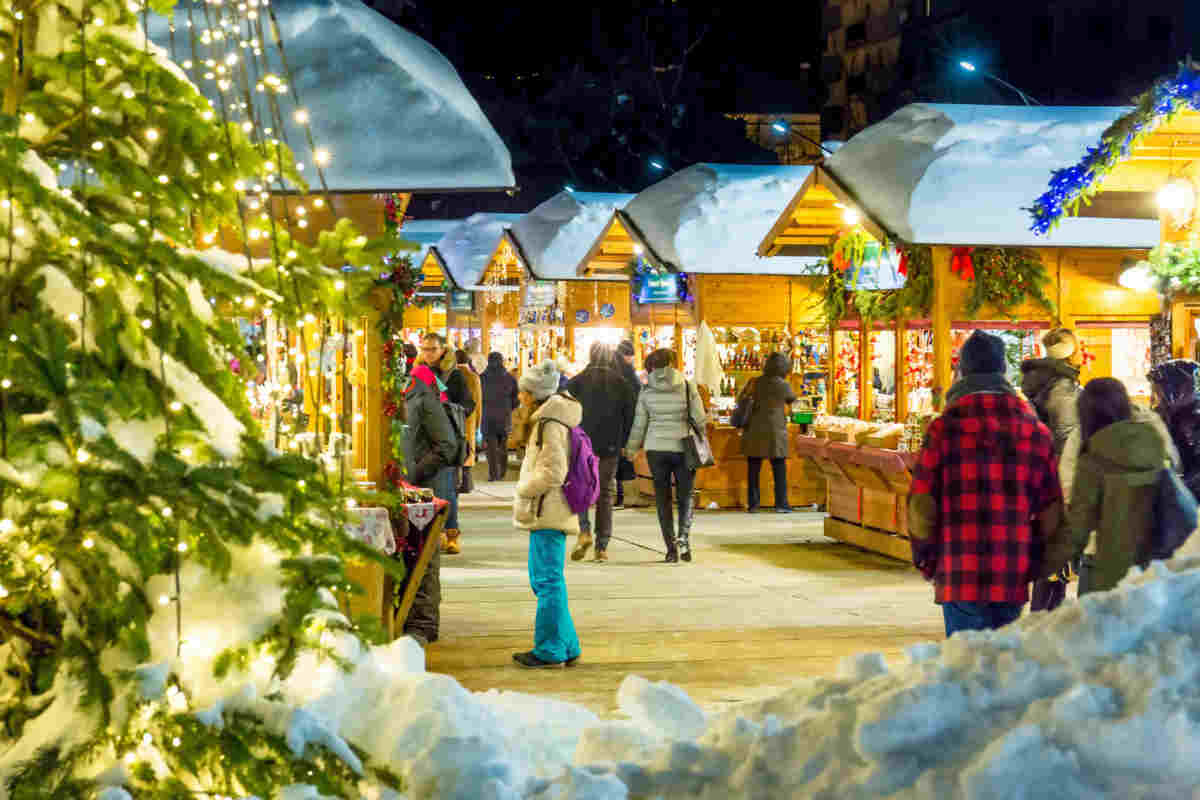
(779, 471)
(664, 466)
(497, 454)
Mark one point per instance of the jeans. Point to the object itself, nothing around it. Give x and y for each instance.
(604, 504)
(554, 637)
(754, 470)
(497, 454)
(665, 465)
(978, 616)
(445, 486)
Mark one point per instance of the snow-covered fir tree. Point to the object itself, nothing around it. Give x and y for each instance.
(132, 476)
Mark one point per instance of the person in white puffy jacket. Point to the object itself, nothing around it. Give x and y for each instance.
(540, 507)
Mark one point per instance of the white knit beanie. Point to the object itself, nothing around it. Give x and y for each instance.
(1063, 349)
(541, 381)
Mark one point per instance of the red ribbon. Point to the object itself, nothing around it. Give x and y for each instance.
(962, 264)
(903, 268)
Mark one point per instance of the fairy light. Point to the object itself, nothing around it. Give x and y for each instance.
(89, 543)
(7, 525)
(5, 384)
(176, 406)
(82, 456)
(29, 117)
(301, 116)
(182, 547)
(58, 505)
(97, 145)
(322, 156)
(151, 135)
(162, 601)
(339, 285)
(167, 512)
(100, 282)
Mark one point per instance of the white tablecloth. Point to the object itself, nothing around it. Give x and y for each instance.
(373, 528)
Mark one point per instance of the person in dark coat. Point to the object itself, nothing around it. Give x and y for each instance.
(499, 400)
(624, 364)
(766, 435)
(607, 417)
(1051, 385)
(441, 361)
(430, 448)
(1177, 403)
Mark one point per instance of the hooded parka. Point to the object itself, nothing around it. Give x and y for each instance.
(539, 502)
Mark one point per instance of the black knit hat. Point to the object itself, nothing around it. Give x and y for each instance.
(982, 353)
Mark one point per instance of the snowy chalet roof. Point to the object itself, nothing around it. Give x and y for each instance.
(426, 233)
(467, 248)
(389, 107)
(555, 237)
(963, 174)
(710, 218)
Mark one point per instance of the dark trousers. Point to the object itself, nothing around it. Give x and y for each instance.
(425, 614)
(497, 454)
(978, 616)
(665, 466)
(754, 470)
(604, 504)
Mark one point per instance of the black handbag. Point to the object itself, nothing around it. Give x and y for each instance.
(625, 470)
(697, 453)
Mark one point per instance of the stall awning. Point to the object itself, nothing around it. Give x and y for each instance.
(813, 216)
(427, 233)
(615, 248)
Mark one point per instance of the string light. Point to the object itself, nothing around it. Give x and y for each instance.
(176, 406)
(322, 156)
(151, 135)
(167, 512)
(58, 505)
(88, 543)
(6, 525)
(5, 384)
(82, 456)
(183, 548)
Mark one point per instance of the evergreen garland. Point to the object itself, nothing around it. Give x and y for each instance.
(1007, 277)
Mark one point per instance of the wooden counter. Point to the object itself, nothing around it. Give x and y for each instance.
(726, 485)
(868, 493)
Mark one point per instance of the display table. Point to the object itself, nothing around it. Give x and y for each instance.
(725, 484)
(867, 490)
(411, 533)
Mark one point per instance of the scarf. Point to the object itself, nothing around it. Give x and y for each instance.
(985, 382)
(425, 375)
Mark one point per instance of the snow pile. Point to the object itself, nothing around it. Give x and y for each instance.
(963, 174)
(556, 236)
(469, 246)
(1100, 699)
(400, 118)
(711, 218)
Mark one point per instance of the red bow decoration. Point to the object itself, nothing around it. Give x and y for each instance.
(962, 264)
(903, 267)
(840, 263)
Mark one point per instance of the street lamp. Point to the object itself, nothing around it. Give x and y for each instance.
(784, 128)
(658, 165)
(967, 66)
(569, 188)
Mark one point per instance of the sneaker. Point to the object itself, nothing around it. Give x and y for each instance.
(783, 509)
(672, 557)
(601, 557)
(582, 545)
(686, 555)
(530, 661)
(752, 510)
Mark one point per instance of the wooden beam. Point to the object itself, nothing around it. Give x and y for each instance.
(785, 217)
(900, 404)
(940, 323)
(844, 195)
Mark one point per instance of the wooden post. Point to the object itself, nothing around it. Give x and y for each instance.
(378, 427)
(940, 323)
(831, 389)
(901, 368)
(866, 371)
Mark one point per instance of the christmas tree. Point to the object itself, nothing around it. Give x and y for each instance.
(130, 466)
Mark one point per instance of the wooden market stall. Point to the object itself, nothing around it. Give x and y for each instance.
(550, 242)
(685, 248)
(971, 262)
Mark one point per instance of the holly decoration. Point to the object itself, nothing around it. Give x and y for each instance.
(961, 263)
(392, 218)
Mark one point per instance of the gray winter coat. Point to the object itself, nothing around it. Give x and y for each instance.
(431, 442)
(659, 420)
(766, 435)
(1052, 386)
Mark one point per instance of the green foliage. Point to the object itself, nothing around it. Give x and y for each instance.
(1175, 266)
(127, 447)
(1007, 277)
(914, 299)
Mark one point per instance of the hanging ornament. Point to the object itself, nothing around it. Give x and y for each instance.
(902, 268)
(582, 316)
(607, 311)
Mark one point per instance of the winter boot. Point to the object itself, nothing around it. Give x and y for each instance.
(450, 544)
(530, 661)
(683, 541)
(581, 546)
(467, 485)
(601, 557)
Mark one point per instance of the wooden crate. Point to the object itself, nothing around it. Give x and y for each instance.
(876, 541)
(844, 500)
(879, 510)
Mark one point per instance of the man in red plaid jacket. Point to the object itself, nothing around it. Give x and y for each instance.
(985, 508)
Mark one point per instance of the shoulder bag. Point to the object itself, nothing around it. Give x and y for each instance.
(697, 453)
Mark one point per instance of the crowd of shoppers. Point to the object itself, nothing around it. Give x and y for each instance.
(1012, 488)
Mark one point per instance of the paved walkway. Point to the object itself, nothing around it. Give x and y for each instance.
(768, 601)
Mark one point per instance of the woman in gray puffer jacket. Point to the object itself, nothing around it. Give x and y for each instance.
(659, 425)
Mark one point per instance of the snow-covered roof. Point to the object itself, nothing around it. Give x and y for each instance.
(710, 218)
(426, 233)
(388, 106)
(556, 236)
(964, 174)
(468, 247)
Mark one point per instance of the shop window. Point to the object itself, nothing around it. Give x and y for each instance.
(918, 371)
(845, 400)
(1019, 344)
(883, 375)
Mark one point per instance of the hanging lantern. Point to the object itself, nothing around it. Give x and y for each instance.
(1177, 200)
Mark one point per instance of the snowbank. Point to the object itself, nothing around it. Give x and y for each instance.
(710, 218)
(963, 174)
(468, 247)
(400, 118)
(556, 236)
(1100, 699)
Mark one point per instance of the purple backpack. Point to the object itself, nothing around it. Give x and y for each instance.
(582, 486)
